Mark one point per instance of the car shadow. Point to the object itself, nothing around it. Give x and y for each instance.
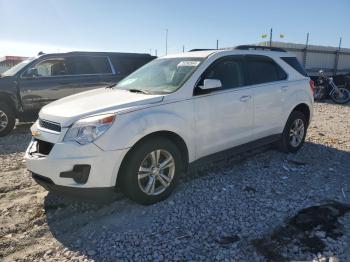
(330, 101)
(91, 227)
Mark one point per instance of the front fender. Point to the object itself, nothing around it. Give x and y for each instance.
(131, 127)
(8, 92)
(10, 99)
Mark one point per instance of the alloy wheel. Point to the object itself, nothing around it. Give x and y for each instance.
(3, 120)
(156, 172)
(296, 132)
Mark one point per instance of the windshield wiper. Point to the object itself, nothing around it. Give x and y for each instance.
(133, 90)
(111, 86)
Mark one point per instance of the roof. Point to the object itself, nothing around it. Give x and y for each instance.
(99, 53)
(230, 51)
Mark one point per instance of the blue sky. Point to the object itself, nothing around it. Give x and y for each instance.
(27, 27)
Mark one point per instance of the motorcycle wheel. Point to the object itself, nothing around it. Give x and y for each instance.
(319, 93)
(342, 97)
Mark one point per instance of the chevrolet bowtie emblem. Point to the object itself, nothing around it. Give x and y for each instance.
(35, 133)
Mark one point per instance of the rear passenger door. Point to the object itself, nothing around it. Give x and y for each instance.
(269, 84)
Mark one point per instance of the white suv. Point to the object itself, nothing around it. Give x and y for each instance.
(139, 135)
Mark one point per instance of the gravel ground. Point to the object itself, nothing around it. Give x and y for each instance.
(259, 206)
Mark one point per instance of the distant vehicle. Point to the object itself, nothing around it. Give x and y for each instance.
(28, 86)
(325, 87)
(141, 134)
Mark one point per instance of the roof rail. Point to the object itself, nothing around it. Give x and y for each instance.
(259, 47)
(204, 49)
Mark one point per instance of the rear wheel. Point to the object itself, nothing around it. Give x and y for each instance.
(294, 133)
(7, 119)
(341, 97)
(151, 171)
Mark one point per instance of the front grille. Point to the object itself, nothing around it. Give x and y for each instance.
(50, 125)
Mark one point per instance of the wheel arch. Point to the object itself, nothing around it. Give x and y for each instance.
(303, 108)
(172, 136)
(9, 101)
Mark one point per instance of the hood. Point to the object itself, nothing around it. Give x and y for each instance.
(70, 109)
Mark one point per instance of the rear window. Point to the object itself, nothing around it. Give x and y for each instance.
(293, 62)
(261, 69)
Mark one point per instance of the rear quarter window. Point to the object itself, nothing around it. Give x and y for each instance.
(293, 62)
(262, 69)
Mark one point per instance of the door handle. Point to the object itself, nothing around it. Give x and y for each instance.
(245, 98)
(284, 88)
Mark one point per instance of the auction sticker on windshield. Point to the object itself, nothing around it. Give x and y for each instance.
(188, 63)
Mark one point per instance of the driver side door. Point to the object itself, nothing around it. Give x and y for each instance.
(39, 85)
(224, 116)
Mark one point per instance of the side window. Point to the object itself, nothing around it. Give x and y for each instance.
(261, 69)
(88, 65)
(48, 68)
(228, 70)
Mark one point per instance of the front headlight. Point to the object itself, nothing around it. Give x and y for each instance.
(87, 130)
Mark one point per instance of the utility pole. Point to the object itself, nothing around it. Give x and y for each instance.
(156, 52)
(166, 41)
(305, 49)
(339, 44)
(270, 37)
(183, 48)
(337, 54)
(307, 40)
(217, 44)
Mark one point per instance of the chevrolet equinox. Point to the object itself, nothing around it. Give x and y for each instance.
(139, 135)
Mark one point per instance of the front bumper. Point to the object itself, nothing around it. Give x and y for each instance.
(93, 194)
(63, 158)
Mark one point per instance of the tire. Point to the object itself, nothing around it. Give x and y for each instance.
(139, 190)
(319, 93)
(7, 119)
(286, 143)
(343, 100)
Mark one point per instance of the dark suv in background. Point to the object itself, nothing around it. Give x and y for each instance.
(28, 86)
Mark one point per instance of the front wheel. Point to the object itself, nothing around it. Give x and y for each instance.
(294, 133)
(151, 171)
(319, 93)
(341, 97)
(7, 119)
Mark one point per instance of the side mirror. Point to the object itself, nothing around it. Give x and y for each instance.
(211, 84)
(32, 72)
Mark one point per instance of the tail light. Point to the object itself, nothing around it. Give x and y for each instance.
(312, 86)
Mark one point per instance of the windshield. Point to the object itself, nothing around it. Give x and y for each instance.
(13, 70)
(163, 75)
